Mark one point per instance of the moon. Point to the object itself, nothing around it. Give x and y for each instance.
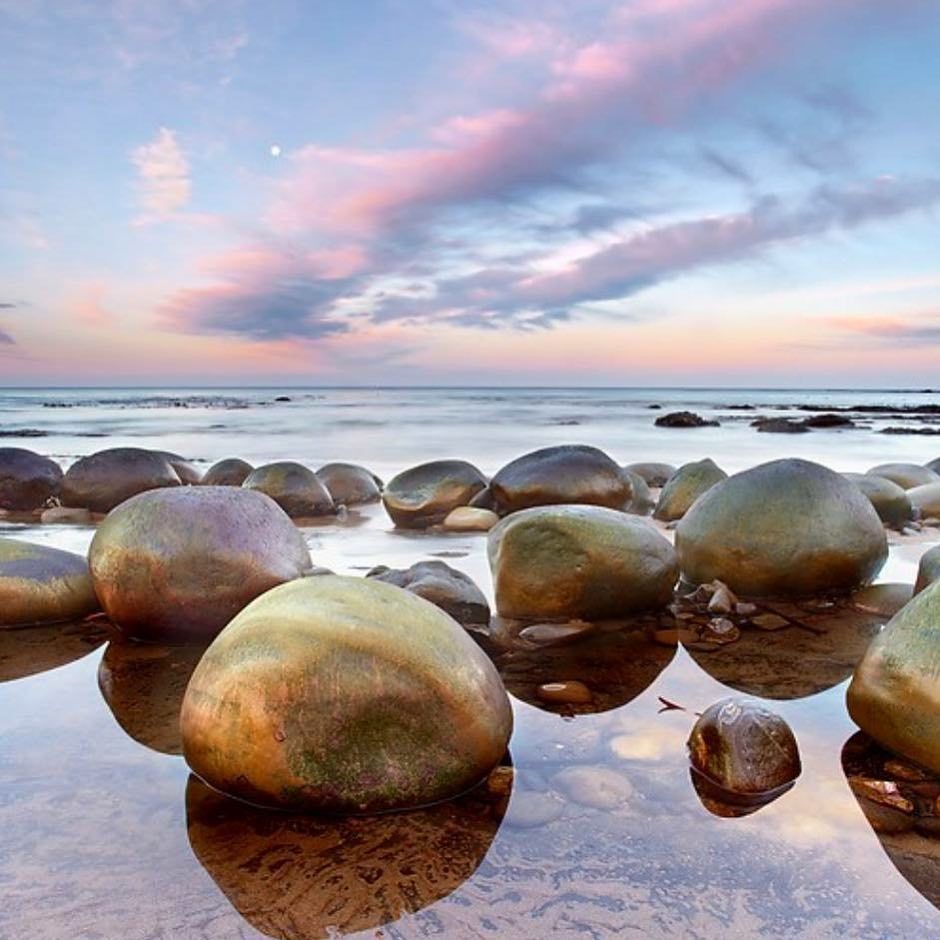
(275, 150)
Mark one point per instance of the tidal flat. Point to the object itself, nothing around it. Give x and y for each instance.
(593, 826)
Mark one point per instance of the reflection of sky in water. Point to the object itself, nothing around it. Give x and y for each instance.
(93, 837)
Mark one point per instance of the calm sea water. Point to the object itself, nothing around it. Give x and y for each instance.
(104, 835)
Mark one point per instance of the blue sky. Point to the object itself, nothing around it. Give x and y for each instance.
(647, 192)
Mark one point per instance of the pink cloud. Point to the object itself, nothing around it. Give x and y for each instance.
(87, 305)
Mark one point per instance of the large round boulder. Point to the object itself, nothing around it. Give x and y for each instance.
(424, 495)
(179, 564)
(453, 591)
(344, 695)
(27, 479)
(906, 475)
(788, 527)
(567, 474)
(349, 484)
(891, 502)
(893, 695)
(103, 480)
(641, 502)
(294, 487)
(39, 584)
(583, 562)
(232, 471)
(685, 486)
(934, 465)
(926, 500)
(655, 474)
(928, 570)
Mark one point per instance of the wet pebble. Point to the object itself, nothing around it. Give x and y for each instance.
(470, 519)
(556, 634)
(66, 514)
(770, 622)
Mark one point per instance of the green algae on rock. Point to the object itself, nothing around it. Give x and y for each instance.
(894, 695)
(423, 496)
(294, 487)
(562, 475)
(39, 584)
(178, 564)
(685, 486)
(344, 695)
(579, 562)
(788, 528)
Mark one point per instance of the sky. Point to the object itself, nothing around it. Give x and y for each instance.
(434, 192)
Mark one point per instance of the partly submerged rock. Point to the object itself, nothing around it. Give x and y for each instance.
(229, 472)
(893, 696)
(891, 502)
(685, 486)
(789, 527)
(926, 500)
(453, 591)
(655, 474)
(683, 419)
(906, 475)
(39, 584)
(567, 474)
(424, 495)
(745, 751)
(294, 487)
(105, 479)
(349, 484)
(27, 479)
(336, 694)
(579, 561)
(179, 564)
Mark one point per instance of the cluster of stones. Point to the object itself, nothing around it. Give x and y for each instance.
(359, 695)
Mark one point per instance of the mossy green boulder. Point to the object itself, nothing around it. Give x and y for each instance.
(39, 584)
(583, 562)
(785, 528)
(685, 486)
(895, 692)
(179, 564)
(344, 695)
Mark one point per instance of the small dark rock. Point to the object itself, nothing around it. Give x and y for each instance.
(684, 419)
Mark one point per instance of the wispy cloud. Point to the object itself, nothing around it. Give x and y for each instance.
(918, 330)
(163, 182)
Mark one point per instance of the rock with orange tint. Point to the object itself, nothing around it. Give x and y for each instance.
(179, 564)
(294, 487)
(39, 584)
(344, 695)
(425, 495)
(349, 484)
(232, 471)
(27, 479)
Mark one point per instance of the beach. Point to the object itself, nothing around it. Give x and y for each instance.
(600, 830)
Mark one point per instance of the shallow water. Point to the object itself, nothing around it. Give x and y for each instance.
(104, 835)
